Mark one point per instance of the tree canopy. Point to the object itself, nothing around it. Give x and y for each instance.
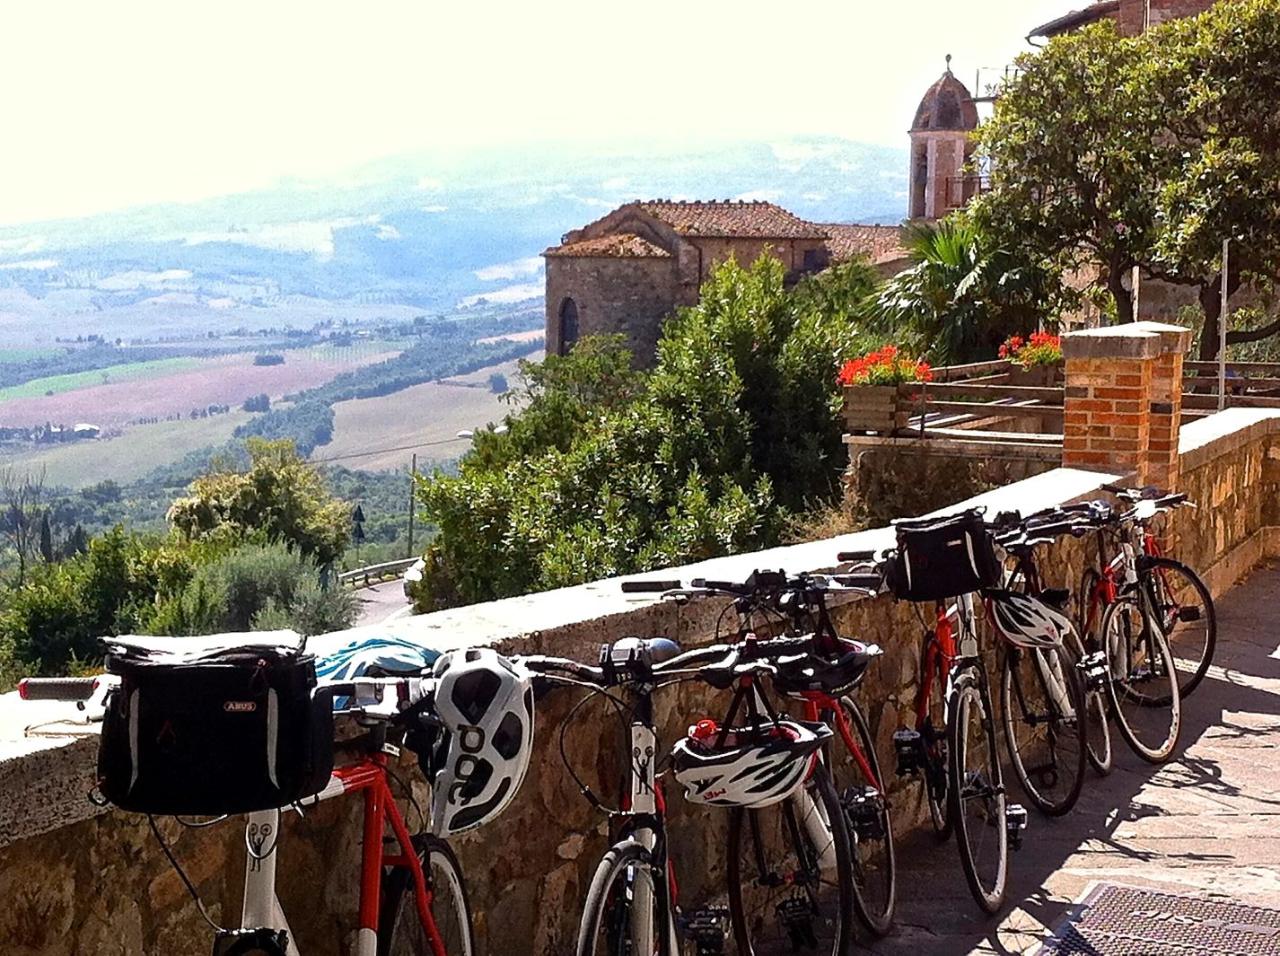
(1111, 152)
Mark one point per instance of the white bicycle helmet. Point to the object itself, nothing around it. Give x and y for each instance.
(754, 767)
(1027, 621)
(486, 705)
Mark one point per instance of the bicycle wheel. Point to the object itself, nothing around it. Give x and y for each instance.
(866, 808)
(1088, 606)
(978, 801)
(934, 738)
(1144, 682)
(790, 874)
(401, 932)
(1184, 608)
(1043, 704)
(620, 917)
(1097, 724)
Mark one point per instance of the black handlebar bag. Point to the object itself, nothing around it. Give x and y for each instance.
(942, 558)
(203, 726)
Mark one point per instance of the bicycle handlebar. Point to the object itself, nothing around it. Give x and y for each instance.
(57, 688)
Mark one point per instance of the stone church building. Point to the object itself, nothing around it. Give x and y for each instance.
(626, 272)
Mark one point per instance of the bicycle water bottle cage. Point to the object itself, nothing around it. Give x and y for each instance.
(251, 942)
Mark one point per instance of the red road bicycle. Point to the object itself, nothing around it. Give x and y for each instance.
(413, 901)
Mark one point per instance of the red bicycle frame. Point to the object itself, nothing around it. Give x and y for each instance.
(815, 704)
(938, 658)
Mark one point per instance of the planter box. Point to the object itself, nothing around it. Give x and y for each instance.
(1043, 375)
(877, 408)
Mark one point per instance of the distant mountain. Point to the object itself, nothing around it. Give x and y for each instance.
(396, 238)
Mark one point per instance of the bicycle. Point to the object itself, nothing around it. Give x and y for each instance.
(953, 744)
(632, 906)
(824, 687)
(1177, 597)
(413, 902)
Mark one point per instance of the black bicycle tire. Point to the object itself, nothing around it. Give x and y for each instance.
(398, 887)
(877, 923)
(1146, 753)
(964, 685)
(844, 870)
(1098, 736)
(1008, 674)
(1211, 639)
(1088, 582)
(622, 854)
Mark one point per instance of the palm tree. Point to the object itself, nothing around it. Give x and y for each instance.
(961, 298)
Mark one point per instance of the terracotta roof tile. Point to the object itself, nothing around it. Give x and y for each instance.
(731, 219)
(620, 245)
(876, 243)
(1077, 19)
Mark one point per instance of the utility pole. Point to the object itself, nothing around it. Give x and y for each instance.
(413, 473)
(1222, 330)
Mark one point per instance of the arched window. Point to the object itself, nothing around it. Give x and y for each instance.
(568, 325)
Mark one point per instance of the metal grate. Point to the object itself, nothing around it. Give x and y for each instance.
(1117, 920)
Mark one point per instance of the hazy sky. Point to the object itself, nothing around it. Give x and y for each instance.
(127, 102)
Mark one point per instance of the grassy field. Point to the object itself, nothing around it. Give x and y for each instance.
(128, 456)
(129, 372)
(10, 356)
(378, 434)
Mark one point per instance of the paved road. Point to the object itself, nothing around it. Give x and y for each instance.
(382, 602)
(1206, 824)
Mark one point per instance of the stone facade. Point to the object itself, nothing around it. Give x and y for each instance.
(631, 269)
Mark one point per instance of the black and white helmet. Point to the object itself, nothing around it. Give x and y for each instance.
(1028, 621)
(486, 705)
(754, 767)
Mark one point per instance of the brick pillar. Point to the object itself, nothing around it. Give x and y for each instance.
(1123, 400)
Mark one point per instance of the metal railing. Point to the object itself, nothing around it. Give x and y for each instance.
(375, 573)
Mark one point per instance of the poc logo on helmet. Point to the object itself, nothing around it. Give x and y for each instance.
(240, 707)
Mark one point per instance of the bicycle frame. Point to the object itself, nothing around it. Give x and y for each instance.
(943, 654)
(367, 776)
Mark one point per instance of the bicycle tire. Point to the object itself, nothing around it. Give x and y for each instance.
(1084, 604)
(1134, 637)
(934, 734)
(747, 925)
(869, 824)
(969, 788)
(1097, 715)
(400, 932)
(611, 914)
(1186, 638)
(1028, 703)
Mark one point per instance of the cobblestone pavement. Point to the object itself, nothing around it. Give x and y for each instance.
(1207, 823)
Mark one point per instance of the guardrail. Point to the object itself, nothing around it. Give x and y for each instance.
(375, 572)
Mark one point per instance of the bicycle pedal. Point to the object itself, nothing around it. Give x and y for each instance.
(796, 916)
(864, 809)
(251, 942)
(1015, 822)
(1094, 669)
(708, 929)
(908, 746)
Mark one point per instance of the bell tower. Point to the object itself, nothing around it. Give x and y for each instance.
(940, 148)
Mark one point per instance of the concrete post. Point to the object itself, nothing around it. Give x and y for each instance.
(1123, 400)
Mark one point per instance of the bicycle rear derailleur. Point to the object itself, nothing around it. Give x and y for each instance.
(251, 942)
(707, 929)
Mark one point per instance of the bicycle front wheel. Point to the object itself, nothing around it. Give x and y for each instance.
(1043, 707)
(860, 788)
(402, 932)
(976, 791)
(1183, 606)
(1143, 683)
(790, 875)
(621, 917)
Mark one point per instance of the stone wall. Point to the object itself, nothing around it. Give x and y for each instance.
(627, 295)
(76, 880)
(1131, 12)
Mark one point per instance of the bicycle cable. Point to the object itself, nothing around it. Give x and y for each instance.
(182, 875)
